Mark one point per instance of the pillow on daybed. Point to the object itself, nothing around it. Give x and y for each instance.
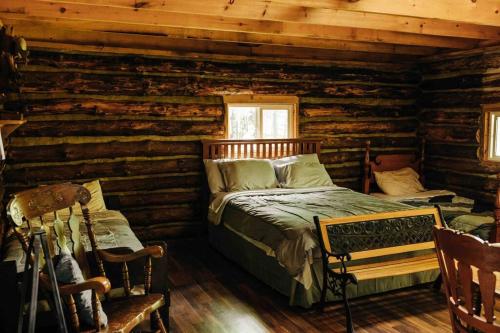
(306, 158)
(248, 174)
(68, 271)
(302, 175)
(96, 203)
(214, 176)
(399, 182)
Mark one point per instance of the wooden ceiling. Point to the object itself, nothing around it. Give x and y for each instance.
(382, 30)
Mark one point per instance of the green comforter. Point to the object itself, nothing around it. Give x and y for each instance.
(282, 219)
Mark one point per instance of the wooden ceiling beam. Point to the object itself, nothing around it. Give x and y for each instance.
(183, 24)
(278, 11)
(159, 12)
(482, 12)
(151, 42)
(43, 31)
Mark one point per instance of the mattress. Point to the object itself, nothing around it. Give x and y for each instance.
(282, 220)
(111, 229)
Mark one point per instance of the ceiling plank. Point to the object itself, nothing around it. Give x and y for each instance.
(184, 22)
(483, 12)
(154, 12)
(43, 31)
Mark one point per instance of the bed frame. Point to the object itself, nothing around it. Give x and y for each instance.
(259, 148)
(245, 254)
(389, 162)
(397, 161)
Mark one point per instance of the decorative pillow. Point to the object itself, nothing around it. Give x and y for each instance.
(248, 174)
(96, 203)
(306, 158)
(68, 271)
(399, 182)
(214, 176)
(302, 175)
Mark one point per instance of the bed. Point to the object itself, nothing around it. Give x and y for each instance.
(458, 212)
(271, 234)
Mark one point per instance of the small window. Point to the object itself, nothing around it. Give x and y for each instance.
(490, 136)
(261, 117)
(494, 136)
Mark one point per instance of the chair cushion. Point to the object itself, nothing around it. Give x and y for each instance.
(127, 312)
(68, 271)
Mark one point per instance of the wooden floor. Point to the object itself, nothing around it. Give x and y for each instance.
(211, 294)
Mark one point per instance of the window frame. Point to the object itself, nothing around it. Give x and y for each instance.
(486, 136)
(268, 102)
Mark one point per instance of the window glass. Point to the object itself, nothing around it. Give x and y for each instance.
(496, 136)
(243, 122)
(260, 121)
(275, 124)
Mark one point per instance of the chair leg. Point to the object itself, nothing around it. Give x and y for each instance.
(165, 316)
(158, 322)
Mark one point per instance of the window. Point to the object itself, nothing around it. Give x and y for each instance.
(261, 117)
(490, 137)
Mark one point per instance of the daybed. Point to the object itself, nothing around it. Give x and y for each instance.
(458, 212)
(112, 232)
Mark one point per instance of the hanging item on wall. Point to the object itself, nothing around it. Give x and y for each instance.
(13, 51)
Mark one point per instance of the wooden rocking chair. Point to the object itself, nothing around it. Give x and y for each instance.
(26, 212)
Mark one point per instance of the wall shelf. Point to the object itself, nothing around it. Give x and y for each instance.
(8, 126)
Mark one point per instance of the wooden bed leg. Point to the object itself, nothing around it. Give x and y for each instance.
(421, 162)
(366, 169)
(437, 283)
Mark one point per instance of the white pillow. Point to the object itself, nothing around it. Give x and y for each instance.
(306, 158)
(399, 182)
(248, 174)
(302, 175)
(214, 177)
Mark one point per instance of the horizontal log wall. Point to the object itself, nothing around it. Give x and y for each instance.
(453, 88)
(136, 123)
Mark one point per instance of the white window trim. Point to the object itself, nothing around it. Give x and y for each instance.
(492, 129)
(265, 102)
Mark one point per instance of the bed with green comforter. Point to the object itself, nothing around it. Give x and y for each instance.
(271, 234)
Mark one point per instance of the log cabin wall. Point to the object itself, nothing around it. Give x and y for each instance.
(454, 87)
(135, 123)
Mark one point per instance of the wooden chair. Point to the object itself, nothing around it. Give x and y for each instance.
(470, 268)
(27, 211)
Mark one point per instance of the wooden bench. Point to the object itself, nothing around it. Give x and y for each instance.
(353, 248)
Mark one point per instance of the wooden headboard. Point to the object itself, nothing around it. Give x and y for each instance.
(389, 162)
(259, 148)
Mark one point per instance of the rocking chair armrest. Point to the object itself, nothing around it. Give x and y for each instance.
(154, 251)
(100, 284)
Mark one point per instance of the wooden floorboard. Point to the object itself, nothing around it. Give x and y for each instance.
(211, 294)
